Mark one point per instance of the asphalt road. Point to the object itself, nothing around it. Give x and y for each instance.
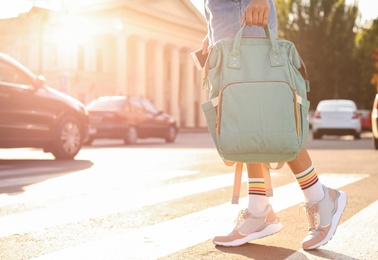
(166, 201)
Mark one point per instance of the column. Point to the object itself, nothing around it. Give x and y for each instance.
(188, 92)
(140, 63)
(175, 83)
(121, 66)
(159, 75)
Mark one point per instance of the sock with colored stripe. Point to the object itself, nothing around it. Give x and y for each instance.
(257, 199)
(310, 185)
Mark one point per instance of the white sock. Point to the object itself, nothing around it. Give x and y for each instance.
(315, 193)
(257, 199)
(257, 203)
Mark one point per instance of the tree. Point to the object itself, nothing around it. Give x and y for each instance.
(323, 31)
(367, 43)
(374, 78)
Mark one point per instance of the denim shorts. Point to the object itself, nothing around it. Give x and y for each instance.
(224, 18)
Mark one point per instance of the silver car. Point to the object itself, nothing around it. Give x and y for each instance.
(336, 117)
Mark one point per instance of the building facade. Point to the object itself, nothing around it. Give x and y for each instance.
(116, 47)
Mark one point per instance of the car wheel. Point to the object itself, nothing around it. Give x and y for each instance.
(316, 136)
(68, 138)
(375, 143)
(131, 136)
(171, 134)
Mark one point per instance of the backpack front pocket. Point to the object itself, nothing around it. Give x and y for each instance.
(259, 118)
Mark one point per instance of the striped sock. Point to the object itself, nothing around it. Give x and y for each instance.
(310, 185)
(256, 186)
(257, 199)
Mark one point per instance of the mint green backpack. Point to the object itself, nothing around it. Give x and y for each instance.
(257, 108)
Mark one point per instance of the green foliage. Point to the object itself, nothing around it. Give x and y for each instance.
(367, 43)
(324, 32)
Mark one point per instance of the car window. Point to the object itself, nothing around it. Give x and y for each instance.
(333, 105)
(136, 106)
(11, 74)
(148, 106)
(107, 105)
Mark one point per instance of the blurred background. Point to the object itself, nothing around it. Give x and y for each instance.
(94, 48)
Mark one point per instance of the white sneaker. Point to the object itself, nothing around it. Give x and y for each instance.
(323, 218)
(250, 227)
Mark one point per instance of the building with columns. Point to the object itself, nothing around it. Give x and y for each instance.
(115, 47)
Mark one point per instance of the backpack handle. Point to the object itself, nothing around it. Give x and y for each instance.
(234, 60)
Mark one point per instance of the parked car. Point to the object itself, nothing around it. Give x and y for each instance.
(336, 117)
(365, 116)
(34, 115)
(128, 118)
(374, 122)
(310, 117)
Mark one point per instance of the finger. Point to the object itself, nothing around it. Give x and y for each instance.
(204, 48)
(243, 19)
(205, 45)
(260, 18)
(255, 17)
(265, 18)
(248, 17)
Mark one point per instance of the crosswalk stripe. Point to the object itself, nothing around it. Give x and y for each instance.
(347, 242)
(59, 183)
(171, 236)
(111, 202)
(332, 180)
(88, 205)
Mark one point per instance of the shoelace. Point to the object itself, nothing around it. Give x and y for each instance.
(312, 216)
(241, 217)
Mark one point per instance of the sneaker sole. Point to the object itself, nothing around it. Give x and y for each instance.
(341, 203)
(269, 230)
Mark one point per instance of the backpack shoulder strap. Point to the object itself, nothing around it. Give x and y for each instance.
(238, 176)
(237, 183)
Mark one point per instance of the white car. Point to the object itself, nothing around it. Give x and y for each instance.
(336, 117)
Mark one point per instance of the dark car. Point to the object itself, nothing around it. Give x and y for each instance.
(128, 118)
(374, 122)
(35, 115)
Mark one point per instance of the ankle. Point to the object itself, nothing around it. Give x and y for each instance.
(257, 204)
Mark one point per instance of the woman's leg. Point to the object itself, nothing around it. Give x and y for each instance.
(324, 206)
(259, 219)
(257, 199)
(306, 176)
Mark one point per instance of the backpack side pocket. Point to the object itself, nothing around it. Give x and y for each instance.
(210, 112)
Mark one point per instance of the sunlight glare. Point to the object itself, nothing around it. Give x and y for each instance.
(73, 30)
